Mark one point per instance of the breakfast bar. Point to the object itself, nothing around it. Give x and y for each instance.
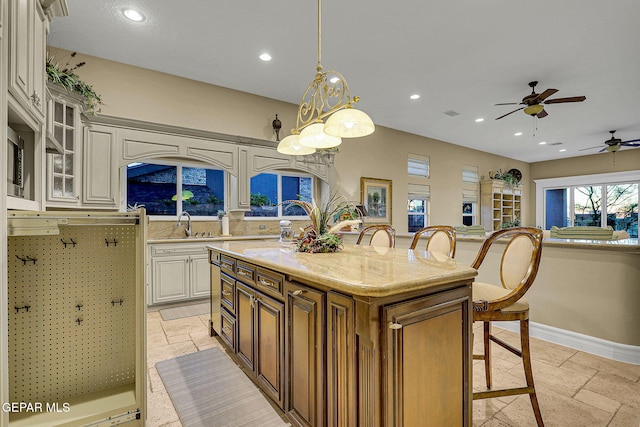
(365, 336)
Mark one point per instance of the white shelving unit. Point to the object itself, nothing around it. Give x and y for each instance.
(500, 203)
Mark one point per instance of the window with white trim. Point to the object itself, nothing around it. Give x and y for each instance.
(269, 190)
(418, 207)
(165, 189)
(469, 194)
(593, 200)
(418, 165)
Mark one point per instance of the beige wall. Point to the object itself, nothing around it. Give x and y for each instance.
(141, 94)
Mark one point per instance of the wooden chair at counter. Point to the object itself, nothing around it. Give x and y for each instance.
(518, 268)
(382, 235)
(440, 238)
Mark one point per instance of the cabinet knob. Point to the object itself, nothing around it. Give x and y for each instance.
(225, 292)
(297, 292)
(226, 330)
(394, 325)
(269, 283)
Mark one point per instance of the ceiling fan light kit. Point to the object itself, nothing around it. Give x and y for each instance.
(327, 97)
(533, 103)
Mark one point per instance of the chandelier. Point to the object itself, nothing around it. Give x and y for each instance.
(327, 97)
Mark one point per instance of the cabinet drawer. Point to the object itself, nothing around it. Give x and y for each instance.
(174, 249)
(270, 281)
(227, 293)
(214, 257)
(228, 329)
(246, 272)
(228, 265)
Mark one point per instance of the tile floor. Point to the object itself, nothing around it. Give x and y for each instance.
(574, 388)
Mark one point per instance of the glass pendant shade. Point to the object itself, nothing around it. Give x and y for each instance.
(314, 136)
(349, 123)
(291, 145)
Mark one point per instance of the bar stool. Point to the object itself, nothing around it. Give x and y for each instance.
(381, 235)
(518, 269)
(440, 238)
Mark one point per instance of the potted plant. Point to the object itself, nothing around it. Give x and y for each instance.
(69, 80)
(319, 237)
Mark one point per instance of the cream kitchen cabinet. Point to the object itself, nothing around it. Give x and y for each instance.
(84, 175)
(28, 28)
(178, 272)
(501, 204)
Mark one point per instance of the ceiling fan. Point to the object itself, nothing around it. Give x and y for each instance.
(533, 102)
(613, 144)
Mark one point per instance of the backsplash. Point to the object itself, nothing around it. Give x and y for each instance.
(241, 227)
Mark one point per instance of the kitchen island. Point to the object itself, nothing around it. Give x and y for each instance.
(366, 336)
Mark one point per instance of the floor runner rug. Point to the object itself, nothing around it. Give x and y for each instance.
(208, 389)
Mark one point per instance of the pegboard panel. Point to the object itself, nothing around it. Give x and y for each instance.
(72, 324)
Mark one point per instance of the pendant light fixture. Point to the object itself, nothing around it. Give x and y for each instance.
(327, 97)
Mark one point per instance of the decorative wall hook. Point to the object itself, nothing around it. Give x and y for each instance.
(277, 125)
(116, 301)
(113, 242)
(27, 259)
(70, 242)
(79, 306)
(24, 307)
(78, 321)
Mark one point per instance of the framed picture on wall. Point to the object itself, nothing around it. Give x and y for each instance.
(375, 195)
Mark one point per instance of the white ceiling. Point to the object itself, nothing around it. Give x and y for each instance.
(463, 56)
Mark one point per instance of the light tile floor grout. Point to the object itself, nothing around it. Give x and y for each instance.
(574, 388)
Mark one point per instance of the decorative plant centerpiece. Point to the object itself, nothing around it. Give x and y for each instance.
(68, 79)
(319, 237)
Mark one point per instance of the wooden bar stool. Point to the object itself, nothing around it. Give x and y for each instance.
(518, 269)
(439, 238)
(382, 235)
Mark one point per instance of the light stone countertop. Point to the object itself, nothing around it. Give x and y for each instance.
(155, 240)
(355, 270)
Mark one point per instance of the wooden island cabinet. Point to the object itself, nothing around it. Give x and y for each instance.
(362, 337)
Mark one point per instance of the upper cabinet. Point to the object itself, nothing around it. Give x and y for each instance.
(28, 28)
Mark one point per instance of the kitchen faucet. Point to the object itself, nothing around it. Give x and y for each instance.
(187, 230)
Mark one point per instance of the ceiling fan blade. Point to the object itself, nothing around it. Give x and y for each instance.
(518, 109)
(542, 114)
(630, 140)
(603, 150)
(591, 148)
(544, 95)
(561, 100)
(509, 103)
(630, 144)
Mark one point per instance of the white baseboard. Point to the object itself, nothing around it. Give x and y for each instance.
(609, 349)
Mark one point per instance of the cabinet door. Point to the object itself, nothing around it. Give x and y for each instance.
(170, 279)
(305, 355)
(215, 300)
(99, 174)
(245, 324)
(426, 361)
(342, 405)
(270, 346)
(63, 187)
(38, 75)
(20, 49)
(200, 276)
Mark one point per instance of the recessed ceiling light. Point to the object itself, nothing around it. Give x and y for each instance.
(133, 15)
(542, 142)
(414, 96)
(562, 150)
(517, 134)
(479, 120)
(265, 57)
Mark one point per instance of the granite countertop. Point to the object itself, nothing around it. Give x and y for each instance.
(356, 270)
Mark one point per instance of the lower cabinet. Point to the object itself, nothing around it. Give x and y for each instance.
(260, 342)
(410, 356)
(330, 359)
(179, 272)
(305, 354)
